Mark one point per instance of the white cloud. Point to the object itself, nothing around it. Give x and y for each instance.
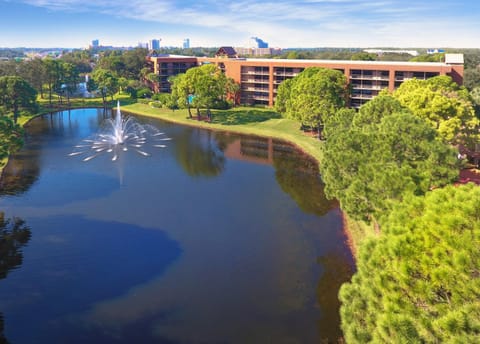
(303, 23)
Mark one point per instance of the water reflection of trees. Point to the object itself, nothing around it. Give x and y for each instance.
(14, 235)
(298, 175)
(24, 167)
(197, 153)
(338, 268)
(21, 172)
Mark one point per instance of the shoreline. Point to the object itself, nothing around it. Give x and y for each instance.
(352, 230)
(180, 117)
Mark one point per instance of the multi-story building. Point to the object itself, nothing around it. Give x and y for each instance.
(259, 78)
(166, 66)
(154, 44)
(257, 51)
(258, 43)
(186, 43)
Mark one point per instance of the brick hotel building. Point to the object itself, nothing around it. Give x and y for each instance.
(259, 78)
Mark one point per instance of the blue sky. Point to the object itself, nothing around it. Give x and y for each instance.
(308, 23)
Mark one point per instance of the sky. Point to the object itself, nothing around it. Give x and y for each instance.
(214, 23)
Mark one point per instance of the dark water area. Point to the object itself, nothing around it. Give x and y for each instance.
(216, 238)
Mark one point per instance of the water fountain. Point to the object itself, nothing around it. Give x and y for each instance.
(120, 134)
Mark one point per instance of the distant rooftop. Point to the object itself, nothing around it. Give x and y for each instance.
(454, 58)
(356, 62)
(391, 51)
(173, 56)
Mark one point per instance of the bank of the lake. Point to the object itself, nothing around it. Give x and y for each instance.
(244, 120)
(262, 122)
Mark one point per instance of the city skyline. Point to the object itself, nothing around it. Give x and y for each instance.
(308, 24)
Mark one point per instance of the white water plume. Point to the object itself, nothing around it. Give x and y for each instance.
(120, 135)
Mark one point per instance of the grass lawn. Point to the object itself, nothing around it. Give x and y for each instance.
(75, 103)
(244, 120)
(357, 232)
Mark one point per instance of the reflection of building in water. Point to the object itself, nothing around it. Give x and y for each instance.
(262, 150)
(252, 149)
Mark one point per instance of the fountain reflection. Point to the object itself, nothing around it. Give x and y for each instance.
(119, 135)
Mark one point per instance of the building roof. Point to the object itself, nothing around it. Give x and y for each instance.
(349, 62)
(454, 58)
(226, 51)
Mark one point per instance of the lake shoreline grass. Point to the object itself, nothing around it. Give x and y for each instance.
(242, 120)
(355, 231)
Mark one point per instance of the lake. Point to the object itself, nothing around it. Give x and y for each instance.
(216, 238)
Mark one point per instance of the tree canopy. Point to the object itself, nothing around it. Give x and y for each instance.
(11, 137)
(201, 87)
(443, 104)
(419, 282)
(127, 64)
(17, 95)
(312, 95)
(103, 81)
(367, 166)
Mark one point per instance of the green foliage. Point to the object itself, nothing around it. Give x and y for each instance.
(103, 81)
(312, 96)
(475, 94)
(283, 95)
(363, 56)
(419, 282)
(16, 95)
(127, 64)
(166, 100)
(439, 57)
(11, 137)
(201, 87)
(144, 92)
(373, 111)
(471, 78)
(369, 163)
(444, 104)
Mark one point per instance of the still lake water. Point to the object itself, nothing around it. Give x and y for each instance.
(217, 238)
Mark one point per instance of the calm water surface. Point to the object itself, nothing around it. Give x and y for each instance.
(217, 238)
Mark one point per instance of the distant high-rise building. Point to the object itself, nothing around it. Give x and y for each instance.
(256, 42)
(186, 43)
(95, 43)
(154, 44)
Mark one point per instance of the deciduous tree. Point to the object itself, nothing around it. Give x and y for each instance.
(444, 104)
(105, 82)
(200, 87)
(313, 95)
(11, 137)
(17, 95)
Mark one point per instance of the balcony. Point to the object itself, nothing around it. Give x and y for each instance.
(369, 87)
(362, 96)
(252, 72)
(368, 77)
(256, 81)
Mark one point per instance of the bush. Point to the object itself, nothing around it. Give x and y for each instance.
(222, 104)
(144, 92)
